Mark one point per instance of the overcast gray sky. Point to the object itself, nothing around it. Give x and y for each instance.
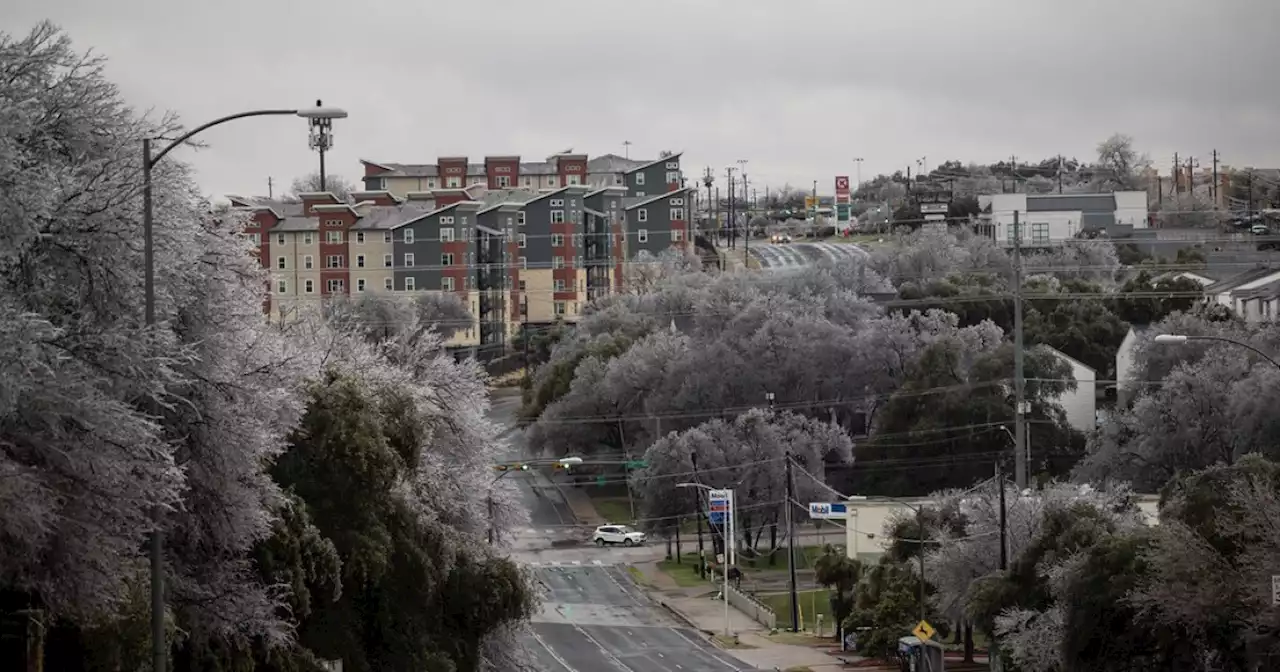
(797, 88)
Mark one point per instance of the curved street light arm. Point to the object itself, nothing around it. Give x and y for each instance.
(1239, 343)
(153, 160)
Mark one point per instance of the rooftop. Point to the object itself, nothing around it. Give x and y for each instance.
(607, 163)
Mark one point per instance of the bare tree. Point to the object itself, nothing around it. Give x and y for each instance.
(310, 183)
(1119, 165)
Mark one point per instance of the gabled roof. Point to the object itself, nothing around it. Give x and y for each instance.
(468, 205)
(549, 193)
(365, 195)
(674, 156)
(612, 163)
(611, 187)
(607, 163)
(1241, 279)
(1068, 358)
(1267, 291)
(650, 199)
(335, 207)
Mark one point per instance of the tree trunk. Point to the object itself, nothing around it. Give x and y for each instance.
(773, 545)
(968, 642)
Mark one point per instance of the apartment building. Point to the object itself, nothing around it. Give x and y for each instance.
(323, 247)
(517, 256)
(511, 172)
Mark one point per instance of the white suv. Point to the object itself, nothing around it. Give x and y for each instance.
(617, 534)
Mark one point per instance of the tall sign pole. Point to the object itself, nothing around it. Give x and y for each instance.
(842, 202)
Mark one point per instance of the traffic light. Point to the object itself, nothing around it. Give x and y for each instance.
(511, 467)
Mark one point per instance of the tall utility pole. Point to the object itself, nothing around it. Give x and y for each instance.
(1013, 172)
(626, 149)
(1059, 173)
(815, 202)
(791, 548)
(697, 500)
(271, 188)
(908, 184)
(1004, 520)
(1249, 201)
(707, 180)
(1019, 381)
(733, 226)
(1191, 174)
(1177, 175)
(1213, 188)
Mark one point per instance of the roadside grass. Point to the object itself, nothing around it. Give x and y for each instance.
(812, 603)
(685, 572)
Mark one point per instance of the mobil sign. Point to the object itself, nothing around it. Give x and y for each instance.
(828, 510)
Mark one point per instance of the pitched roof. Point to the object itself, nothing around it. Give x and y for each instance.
(607, 163)
(645, 200)
(470, 205)
(674, 156)
(1241, 279)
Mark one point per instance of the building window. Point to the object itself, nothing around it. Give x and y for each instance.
(309, 286)
(255, 237)
(333, 261)
(359, 261)
(639, 179)
(446, 235)
(677, 201)
(306, 238)
(673, 165)
(410, 284)
(524, 264)
(359, 237)
(333, 222)
(677, 214)
(557, 216)
(386, 237)
(431, 183)
(408, 260)
(386, 261)
(446, 259)
(446, 284)
(557, 240)
(1040, 232)
(408, 236)
(557, 262)
(453, 183)
(359, 284)
(1012, 230)
(336, 286)
(504, 181)
(281, 263)
(528, 181)
(333, 237)
(642, 215)
(559, 306)
(282, 286)
(448, 219)
(642, 235)
(388, 284)
(520, 218)
(673, 177)
(676, 235)
(520, 241)
(640, 194)
(522, 285)
(557, 286)
(279, 239)
(557, 202)
(573, 179)
(577, 240)
(307, 263)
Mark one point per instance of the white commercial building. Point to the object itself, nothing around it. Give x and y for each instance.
(1047, 219)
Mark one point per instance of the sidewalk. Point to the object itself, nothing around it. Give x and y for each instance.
(707, 615)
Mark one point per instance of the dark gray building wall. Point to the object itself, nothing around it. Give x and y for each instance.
(426, 250)
(657, 225)
(655, 178)
(537, 231)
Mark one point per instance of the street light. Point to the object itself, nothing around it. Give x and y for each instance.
(857, 162)
(1181, 339)
(321, 140)
(506, 468)
(728, 545)
(317, 114)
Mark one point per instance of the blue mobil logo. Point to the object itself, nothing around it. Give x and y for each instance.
(828, 510)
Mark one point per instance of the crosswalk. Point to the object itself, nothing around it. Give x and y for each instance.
(569, 563)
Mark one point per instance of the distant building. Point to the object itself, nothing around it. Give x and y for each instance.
(1048, 219)
(1080, 404)
(1253, 295)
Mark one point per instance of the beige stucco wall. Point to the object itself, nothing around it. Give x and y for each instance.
(538, 285)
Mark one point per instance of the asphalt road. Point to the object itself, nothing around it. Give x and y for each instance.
(595, 619)
(792, 256)
(547, 509)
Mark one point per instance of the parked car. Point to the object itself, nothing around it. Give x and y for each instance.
(609, 534)
(1260, 230)
(780, 238)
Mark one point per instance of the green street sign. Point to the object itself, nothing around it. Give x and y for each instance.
(600, 480)
(637, 464)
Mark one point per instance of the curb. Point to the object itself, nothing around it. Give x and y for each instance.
(688, 623)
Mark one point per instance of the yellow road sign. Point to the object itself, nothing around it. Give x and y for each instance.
(924, 631)
(810, 202)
